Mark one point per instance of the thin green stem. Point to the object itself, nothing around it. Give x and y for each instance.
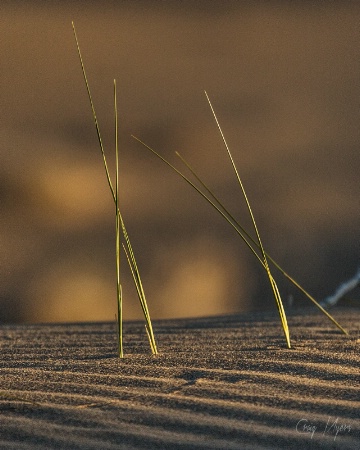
(220, 208)
(142, 298)
(239, 229)
(198, 191)
(238, 178)
(119, 220)
(94, 114)
(118, 230)
(271, 279)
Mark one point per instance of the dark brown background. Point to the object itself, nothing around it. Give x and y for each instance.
(284, 78)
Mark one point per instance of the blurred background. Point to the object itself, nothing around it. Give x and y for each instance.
(284, 79)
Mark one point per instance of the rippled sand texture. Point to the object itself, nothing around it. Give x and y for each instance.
(219, 383)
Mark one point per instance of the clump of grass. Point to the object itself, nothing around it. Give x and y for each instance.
(249, 240)
(120, 228)
(247, 237)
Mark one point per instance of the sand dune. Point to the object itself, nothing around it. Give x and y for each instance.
(218, 383)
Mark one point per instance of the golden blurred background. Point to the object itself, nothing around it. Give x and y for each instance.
(284, 79)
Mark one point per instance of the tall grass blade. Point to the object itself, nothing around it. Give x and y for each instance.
(93, 113)
(220, 208)
(120, 225)
(198, 191)
(141, 294)
(118, 230)
(264, 263)
(271, 280)
(241, 231)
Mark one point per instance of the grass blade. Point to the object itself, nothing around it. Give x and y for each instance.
(93, 113)
(241, 231)
(239, 179)
(267, 268)
(272, 281)
(118, 231)
(119, 220)
(141, 294)
(220, 208)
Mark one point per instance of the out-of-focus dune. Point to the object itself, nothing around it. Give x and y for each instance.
(284, 80)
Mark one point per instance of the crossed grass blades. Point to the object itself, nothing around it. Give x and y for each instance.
(120, 226)
(214, 201)
(250, 241)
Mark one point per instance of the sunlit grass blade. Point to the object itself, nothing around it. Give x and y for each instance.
(273, 284)
(220, 208)
(120, 225)
(271, 280)
(118, 231)
(280, 307)
(141, 294)
(241, 231)
(266, 267)
(93, 113)
(238, 178)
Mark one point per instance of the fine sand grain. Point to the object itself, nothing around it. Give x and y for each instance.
(218, 383)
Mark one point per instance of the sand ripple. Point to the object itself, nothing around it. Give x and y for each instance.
(219, 383)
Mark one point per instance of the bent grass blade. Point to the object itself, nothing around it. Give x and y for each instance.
(241, 231)
(119, 220)
(141, 294)
(221, 209)
(264, 263)
(276, 292)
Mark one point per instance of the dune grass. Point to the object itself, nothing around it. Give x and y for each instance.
(247, 237)
(254, 244)
(120, 228)
(118, 232)
(272, 281)
(249, 240)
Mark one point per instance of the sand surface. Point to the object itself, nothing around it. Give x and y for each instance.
(218, 383)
